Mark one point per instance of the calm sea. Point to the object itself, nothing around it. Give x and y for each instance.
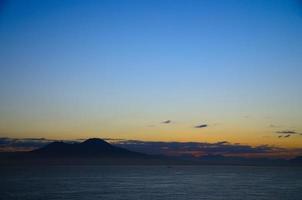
(150, 182)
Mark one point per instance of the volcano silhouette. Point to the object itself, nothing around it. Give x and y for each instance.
(93, 147)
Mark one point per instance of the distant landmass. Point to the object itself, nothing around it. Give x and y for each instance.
(99, 152)
(90, 148)
(92, 151)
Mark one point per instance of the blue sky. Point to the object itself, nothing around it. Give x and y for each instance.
(117, 68)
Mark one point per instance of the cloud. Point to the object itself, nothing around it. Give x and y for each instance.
(287, 136)
(195, 148)
(25, 144)
(201, 126)
(167, 122)
(222, 142)
(287, 132)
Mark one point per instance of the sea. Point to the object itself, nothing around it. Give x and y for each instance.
(150, 182)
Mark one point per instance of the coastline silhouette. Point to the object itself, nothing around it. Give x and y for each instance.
(99, 152)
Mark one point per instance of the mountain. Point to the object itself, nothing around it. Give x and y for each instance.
(90, 152)
(90, 148)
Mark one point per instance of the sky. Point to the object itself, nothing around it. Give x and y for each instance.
(171, 70)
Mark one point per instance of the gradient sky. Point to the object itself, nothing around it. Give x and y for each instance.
(118, 69)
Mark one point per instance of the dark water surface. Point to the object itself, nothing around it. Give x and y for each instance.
(150, 182)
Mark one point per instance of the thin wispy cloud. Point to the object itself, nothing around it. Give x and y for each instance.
(287, 136)
(287, 133)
